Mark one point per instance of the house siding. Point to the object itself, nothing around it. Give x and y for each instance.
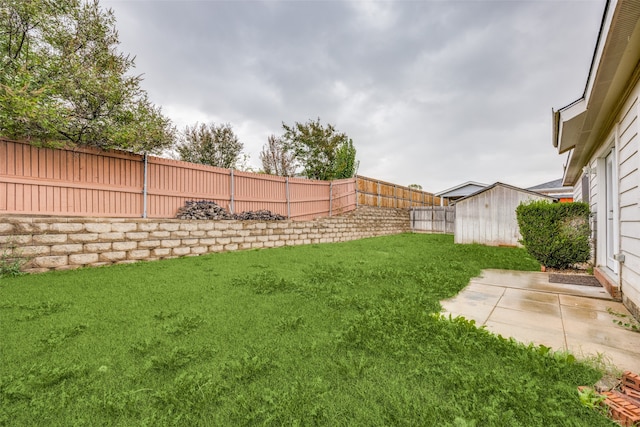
(625, 132)
(629, 189)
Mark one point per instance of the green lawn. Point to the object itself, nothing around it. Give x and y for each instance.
(332, 334)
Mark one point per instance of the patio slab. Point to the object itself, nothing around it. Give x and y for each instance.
(530, 309)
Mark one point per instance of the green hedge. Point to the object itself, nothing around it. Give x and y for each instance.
(556, 234)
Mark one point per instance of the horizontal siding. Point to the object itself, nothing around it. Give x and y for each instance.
(629, 197)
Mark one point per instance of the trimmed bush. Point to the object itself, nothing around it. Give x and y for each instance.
(555, 234)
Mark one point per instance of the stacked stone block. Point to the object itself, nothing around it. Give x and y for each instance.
(59, 243)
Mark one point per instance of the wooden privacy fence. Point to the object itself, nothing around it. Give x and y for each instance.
(433, 219)
(373, 192)
(91, 182)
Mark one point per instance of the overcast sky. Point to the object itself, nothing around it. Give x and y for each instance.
(434, 93)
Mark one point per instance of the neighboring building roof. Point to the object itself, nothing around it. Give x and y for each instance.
(554, 188)
(579, 126)
(501, 184)
(555, 184)
(461, 190)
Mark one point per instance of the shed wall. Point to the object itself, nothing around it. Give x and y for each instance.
(489, 218)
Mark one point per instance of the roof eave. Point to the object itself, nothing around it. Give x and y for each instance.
(568, 123)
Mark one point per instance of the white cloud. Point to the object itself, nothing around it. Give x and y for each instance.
(431, 92)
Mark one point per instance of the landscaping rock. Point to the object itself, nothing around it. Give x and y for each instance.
(202, 209)
(205, 209)
(261, 215)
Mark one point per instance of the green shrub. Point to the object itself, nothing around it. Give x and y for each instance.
(556, 234)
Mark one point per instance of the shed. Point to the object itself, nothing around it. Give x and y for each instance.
(488, 216)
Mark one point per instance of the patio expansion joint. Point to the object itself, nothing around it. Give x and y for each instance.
(555, 292)
(504, 290)
(564, 329)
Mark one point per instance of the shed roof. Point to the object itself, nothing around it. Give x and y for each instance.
(511, 187)
(459, 190)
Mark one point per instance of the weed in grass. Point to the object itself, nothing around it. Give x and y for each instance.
(49, 376)
(591, 398)
(24, 386)
(161, 315)
(183, 325)
(174, 359)
(290, 323)
(145, 346)
(624, 320)
(462, 422)
(353, 365)
(246, 368)
(351, 302)
(59, 335)
(45, 308)
(266, 282)
(189, 393)
(116, 404)
(11, 260)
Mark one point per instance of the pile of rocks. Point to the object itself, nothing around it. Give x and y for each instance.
(261, 215)
(204, 209)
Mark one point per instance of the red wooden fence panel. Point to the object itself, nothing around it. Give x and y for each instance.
(91, 182)
(253, 191)
(80, 182)
(172, 182)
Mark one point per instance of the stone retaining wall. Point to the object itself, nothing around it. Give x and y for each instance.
(60, 243)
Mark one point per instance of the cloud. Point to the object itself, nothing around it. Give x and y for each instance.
(431, 92)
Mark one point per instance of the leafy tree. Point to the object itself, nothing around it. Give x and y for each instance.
(323, 152)
(210, 144)
(415, 186)
(276, 158)
(345, 165)
(62, 79)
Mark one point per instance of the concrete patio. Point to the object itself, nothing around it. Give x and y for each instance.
(527, 307)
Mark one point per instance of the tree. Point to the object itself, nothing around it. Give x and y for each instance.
(210, 144)
(322, 152)
(276, 158)
(415, 186)
(63, 80)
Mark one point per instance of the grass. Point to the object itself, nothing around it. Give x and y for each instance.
(334, 334)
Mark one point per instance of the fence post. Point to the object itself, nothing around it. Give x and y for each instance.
(144, 185)
(287, 196)
(231, 201)
(357, 193)
(379, 199)
(330, 196)
(395, 196)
